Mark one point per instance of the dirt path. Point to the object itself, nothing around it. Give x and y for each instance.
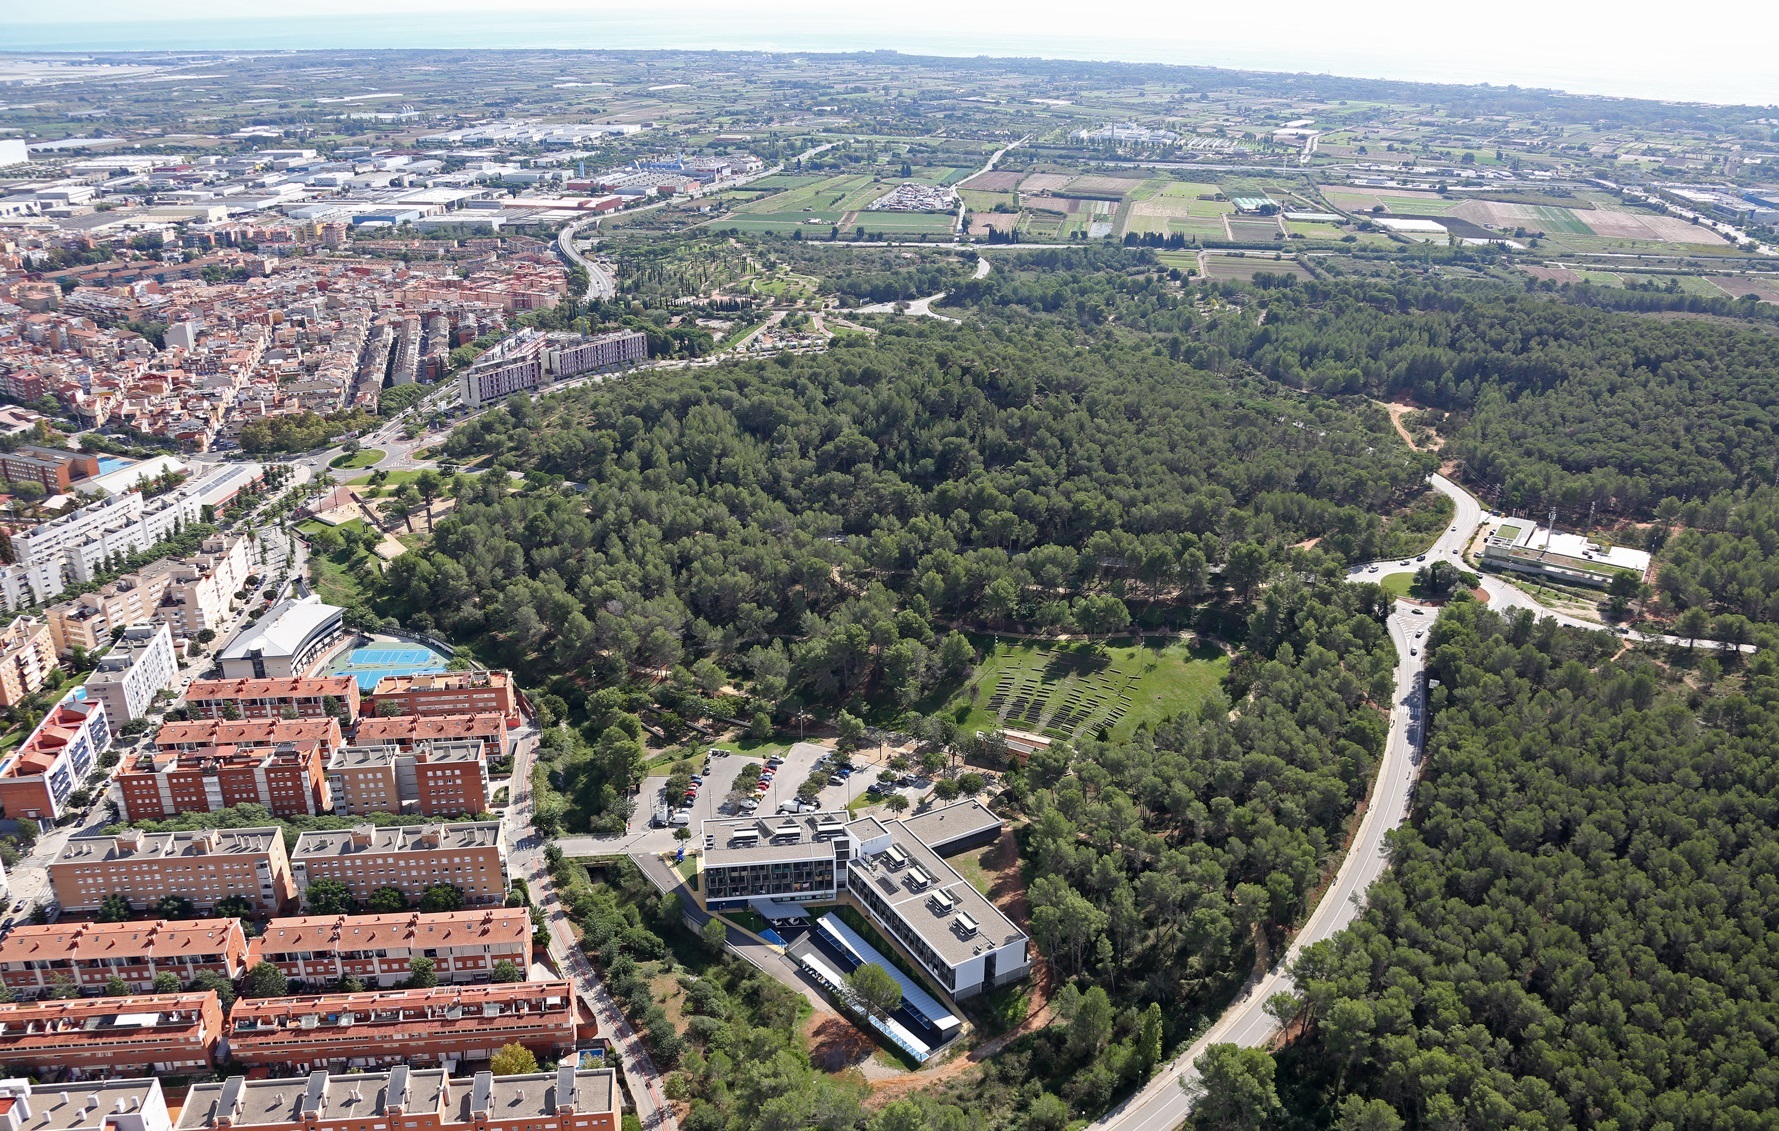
(1397, 412)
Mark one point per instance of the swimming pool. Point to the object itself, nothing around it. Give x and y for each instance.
(372, 663)
(109, 464)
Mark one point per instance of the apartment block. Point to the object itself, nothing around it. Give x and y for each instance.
(76, 545)
(409, 732)
(411, 858)
(376, 949)
(445, 693)
(97, 1105)
(336, 696)
(27, 656)
(289, 779)
(87, 620)
(429, 1099)
(40, 774)
(205, 867)
(55, 468)
(435, 779)
(204, 734)
(140, 665)
(33, 958)
(172, 1033)
(201, 589)
(440, 1025)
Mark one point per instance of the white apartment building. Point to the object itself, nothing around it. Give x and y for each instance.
(139, 664)
(77, 545)
(202, 588)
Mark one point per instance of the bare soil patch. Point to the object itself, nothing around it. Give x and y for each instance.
(1554, 274)
(1113, 185)
(1045, 182)
(993, 181)
(836, 1043)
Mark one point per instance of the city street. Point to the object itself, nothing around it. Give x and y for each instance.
(526, 861)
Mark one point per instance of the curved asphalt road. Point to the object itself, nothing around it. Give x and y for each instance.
(1166, 1101)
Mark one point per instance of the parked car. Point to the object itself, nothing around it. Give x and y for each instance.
(836, 779)
(775, 761)
(681, 819)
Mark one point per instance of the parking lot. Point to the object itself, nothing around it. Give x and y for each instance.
(798, 762)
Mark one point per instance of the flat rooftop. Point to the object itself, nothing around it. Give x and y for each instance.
(138, 845)
(730, 849)
(398, 838)
(929, 895)
(948, 824)
(64, 1107)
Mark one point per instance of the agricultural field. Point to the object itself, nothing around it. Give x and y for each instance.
(993, 181)
(823, 194)
(1177, 209)
(1243, 267)
(1257, 230)
(902, 223)
(777, 222)
(1398, 201)
(1069, 691)
(1766, 288)
(985, 201)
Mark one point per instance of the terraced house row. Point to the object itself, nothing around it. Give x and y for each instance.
(209, 866)
(311, 949)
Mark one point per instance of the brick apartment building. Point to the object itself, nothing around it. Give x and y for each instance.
(427, 1026)
(445, 693)
(436, 779)
(104, 1036)
(289, 779)
(206, 734)
(406, 732)
(39, 776)
(410, 858)
(205, 866)
(336, 696)
(563, 1100)
(376, 949)
(55, 468)
(33, 957)
(27, 656)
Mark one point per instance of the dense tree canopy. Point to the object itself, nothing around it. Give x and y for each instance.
(1579, 927)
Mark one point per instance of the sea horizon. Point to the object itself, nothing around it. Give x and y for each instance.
(722, 31)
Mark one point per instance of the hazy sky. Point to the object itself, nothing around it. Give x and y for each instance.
(1721, 52)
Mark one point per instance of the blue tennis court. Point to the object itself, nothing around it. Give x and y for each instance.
(371, 664)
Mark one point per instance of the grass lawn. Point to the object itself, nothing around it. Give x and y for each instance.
(395, 479)
(969, 866)
(1397, 584)
(1075, 689)
(761, 748)
(363, 457)
(746, 920)
(314, 526)
(334, 582)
